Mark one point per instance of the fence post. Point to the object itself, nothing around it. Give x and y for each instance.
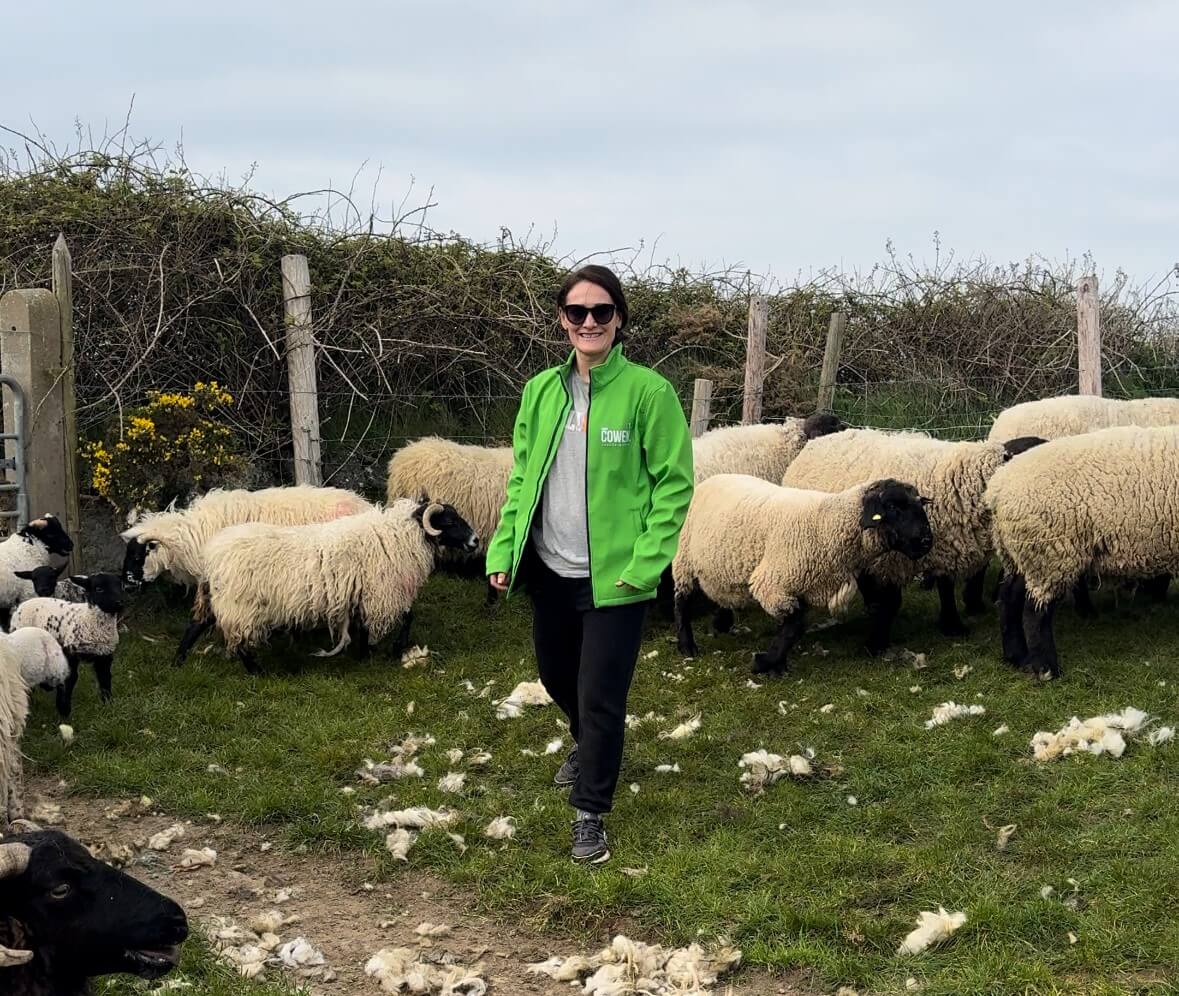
(701, 406)
(1088, 336)
(296, 292)
(63, 290)
(30, 353)
(831, 360)
(755, 359)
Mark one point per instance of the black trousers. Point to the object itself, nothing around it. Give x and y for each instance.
(586, 658)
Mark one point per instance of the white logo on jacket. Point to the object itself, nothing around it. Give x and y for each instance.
(615, 437)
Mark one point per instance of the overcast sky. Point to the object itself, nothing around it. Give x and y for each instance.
(762, 133)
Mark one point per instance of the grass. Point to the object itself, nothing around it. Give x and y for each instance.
(797, 877)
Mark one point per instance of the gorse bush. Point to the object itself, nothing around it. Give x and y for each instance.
(172, 447)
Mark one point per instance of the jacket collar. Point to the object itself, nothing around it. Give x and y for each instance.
(603, 373)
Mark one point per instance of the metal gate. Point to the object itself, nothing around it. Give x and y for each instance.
(15, 485)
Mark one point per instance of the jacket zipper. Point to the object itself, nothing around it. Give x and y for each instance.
(589, 559)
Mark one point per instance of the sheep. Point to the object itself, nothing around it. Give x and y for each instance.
(86, 631)
(764, 450)
(1072, 415)
(1101, 502)
(42, 661)
(361, 572)
(32, 546)
(747, 540)
(66, 918)
(171, 541)
(46, 584)
(14, 712)
(954, 475)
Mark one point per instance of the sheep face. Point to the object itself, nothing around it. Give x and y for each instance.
(83, 918)
(104, 591)
(48, 530)
(1021, 444)
(44, 579)
(141, 561)
(444, 527)
(822, 424)
(897, 512)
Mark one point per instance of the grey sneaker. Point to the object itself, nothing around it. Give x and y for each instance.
(567, 774)
(589, 839)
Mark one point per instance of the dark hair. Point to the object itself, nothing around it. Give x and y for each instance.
(605, 278)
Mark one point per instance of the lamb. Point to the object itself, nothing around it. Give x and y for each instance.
(46, 584)
(42, 661)
(359, 573)
(1072, 415)
(65, 918)
(1101, 502)
(171, 541)
(14, 712)
(86, 631)
(747, 540)
(954, 475)
(31, 547)
(763, 450)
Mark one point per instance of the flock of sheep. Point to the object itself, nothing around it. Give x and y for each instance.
(793, 516)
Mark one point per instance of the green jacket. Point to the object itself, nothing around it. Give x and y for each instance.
(638, 474)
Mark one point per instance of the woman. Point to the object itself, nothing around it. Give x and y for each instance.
(599, 490)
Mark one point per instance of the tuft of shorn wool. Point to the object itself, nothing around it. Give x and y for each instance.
(501, 828)
(399, 842)
(166, 838)
(948, 711)
(526, 693)
(452, 781)
(764, 768)
(1096, 735)
(377, 774)
(414, 818)
(683, 731)
(399, 970)
(932, 928)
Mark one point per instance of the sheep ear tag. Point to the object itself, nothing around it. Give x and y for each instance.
(877, 517)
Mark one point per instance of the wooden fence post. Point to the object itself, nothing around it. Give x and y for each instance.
(296, 292)
(30, 352)
(1088, 336)
(755, 359)
(831, 360)
(701, 406)
(63, 290)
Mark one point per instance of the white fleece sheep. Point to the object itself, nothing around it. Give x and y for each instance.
(171, 541)
(1102, 503)
(22, 551)
(953, 474)
(14, 712)
(81, 628)
(474, 479)
(41, 658)
(367, 567)
(746, 540)
(1072, 415)
(764, 450)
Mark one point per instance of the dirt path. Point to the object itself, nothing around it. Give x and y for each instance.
(337, 910)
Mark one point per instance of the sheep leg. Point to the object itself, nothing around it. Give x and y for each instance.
(684, 638)
(361, 646)
(948, 621)
(1082, 601)
(1012, 595)
(883, 602)
(722, 621)
(972, 593)
(1042, 660)
(1156, 587)
(249, 661)
(773, 658)
(401, 640)
(102, 671)
(65, 691)
(193, 632)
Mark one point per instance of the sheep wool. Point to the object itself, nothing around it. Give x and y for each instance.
(1103, 502)
(182, 535)
(763, 450)
(746, 540)
(1072, 415)
(474, 479)
(19, 553)
(368, 566)
(39, 654)
(80, 627)
(14, 712)
(954, 475)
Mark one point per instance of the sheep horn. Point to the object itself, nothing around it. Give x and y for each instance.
(427, 525)
(10, 958)
(14, 859)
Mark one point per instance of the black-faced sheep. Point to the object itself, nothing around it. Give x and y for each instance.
(746, 540)
(952, 474)
(87, 631)
(171, 542)
(66, 918)
(47, 582)
(32, 546)
(1103, 502)
(358, 575)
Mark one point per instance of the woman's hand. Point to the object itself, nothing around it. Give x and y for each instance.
(622, 584)
(498, 581)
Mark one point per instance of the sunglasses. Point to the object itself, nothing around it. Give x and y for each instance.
(576, 314)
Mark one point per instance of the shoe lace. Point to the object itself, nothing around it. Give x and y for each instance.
(588, 831)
